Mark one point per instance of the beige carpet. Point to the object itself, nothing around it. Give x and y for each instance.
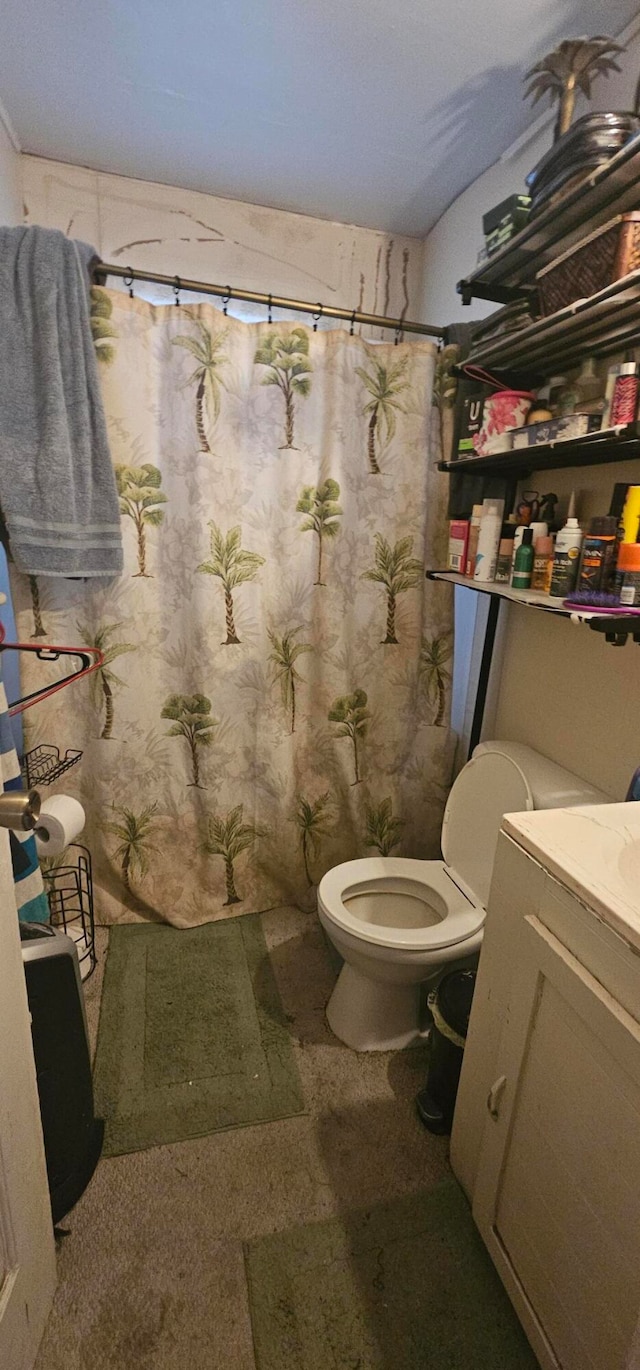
(152, 1276)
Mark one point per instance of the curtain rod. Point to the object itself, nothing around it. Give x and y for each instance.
(328, 311)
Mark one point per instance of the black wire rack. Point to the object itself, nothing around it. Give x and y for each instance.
(44, 764)
(69, 889)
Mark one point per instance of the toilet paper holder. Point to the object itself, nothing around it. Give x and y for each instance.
(20, 809)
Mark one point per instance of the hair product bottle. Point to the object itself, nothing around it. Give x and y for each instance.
(523, 564)
(566, 557)
(489, 539)
(629, 574)
(597, 569)
(505, 553)
(542, 564)
(474, 533)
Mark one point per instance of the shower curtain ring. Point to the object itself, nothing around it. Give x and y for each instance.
(176, 290)
(128, 281)
(225, 301)
(353, 322)
(269, 311)
(398, 331)
(317, 317)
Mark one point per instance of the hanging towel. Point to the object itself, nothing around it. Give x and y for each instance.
(57, 484)
(31, 900)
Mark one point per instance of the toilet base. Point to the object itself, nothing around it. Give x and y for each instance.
(370, 1015)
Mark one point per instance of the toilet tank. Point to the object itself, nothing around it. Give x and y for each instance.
(552, 787)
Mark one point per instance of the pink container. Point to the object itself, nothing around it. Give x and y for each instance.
(503, 410)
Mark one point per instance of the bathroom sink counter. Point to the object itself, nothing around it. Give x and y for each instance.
(594, 852)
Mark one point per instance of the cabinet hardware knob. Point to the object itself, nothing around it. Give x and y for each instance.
(494, 1097)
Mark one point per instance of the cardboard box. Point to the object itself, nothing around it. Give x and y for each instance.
(458, 545)
(556, 430)
(471, 422)
(515, 208)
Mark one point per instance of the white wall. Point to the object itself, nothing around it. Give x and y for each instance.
(10, 179)
(208, 238)
(562, 689)
(451, 249)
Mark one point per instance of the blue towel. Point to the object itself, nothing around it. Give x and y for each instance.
(57, 484)
(31, 900)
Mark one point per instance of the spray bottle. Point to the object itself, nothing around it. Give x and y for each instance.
(566, 557)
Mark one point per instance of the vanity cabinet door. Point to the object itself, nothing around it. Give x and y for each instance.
(557, 1199)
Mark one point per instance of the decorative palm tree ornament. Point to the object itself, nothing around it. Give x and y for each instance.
(570, 68)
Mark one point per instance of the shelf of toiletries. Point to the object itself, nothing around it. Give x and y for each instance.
(604, 323)
(531, 557)
(612, 189)
(591, 449)
(614, 624)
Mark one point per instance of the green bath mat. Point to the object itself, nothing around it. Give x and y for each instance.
(192, 1035)
(406, 1286)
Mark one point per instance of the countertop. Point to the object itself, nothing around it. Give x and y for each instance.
(594, 851)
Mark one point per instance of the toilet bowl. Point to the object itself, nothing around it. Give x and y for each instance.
(399, 923)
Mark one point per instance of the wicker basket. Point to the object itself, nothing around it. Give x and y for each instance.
(592, 264)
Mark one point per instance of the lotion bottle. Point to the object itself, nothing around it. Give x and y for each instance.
(566, 556)
(523, 564)
(489, 539)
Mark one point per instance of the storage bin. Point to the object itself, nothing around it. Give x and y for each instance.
(597, 261)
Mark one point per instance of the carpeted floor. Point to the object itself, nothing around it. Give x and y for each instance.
(152, 1273)
(407, 1284)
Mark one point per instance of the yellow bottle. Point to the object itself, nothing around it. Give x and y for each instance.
(631, 515)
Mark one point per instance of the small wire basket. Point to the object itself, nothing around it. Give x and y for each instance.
(44, 764)
(69, 889)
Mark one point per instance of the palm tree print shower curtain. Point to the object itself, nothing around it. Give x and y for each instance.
(274, 697)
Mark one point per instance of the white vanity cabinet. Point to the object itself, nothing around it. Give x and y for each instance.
(546, 1136)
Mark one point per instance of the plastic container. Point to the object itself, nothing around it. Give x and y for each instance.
(523, 562)
(503, 410)
(630, 520)
(474, 533)
(458, 544)
(597, 569)
(489, 539)
(566, 556)
(624, 404)
(505, 554)
(539, 530)
(542, 564)
(629, 574)
(450, 1007)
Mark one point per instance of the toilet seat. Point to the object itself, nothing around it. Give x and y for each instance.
(455, 915)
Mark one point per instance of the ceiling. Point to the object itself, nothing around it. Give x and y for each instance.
(365, 111)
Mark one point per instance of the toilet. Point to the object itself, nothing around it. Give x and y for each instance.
(399, 924)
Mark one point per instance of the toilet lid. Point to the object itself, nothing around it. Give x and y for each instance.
(489, 786)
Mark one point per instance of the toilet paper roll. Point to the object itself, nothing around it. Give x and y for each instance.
(61, 820)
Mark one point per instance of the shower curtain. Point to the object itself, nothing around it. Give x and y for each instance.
(274, 697)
